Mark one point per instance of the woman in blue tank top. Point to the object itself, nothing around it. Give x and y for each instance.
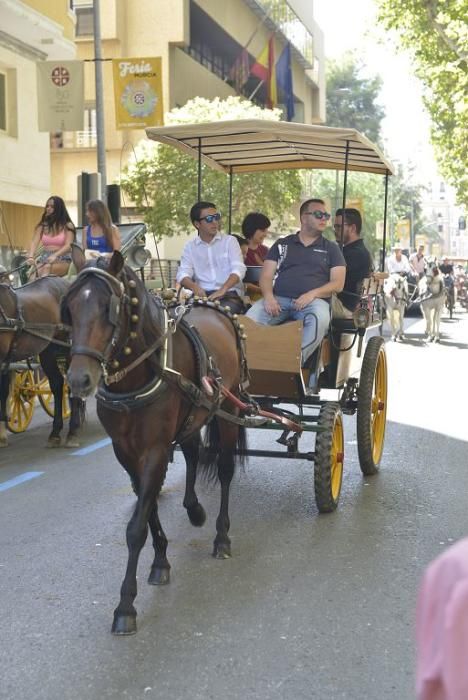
(101, 236)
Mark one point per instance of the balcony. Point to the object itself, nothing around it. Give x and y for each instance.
(278, 16)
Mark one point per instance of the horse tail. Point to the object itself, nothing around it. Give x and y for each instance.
(212, 447)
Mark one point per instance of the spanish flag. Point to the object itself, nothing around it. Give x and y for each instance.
(264, 69)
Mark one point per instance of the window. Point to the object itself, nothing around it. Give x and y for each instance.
(84, 21)
(3, 102)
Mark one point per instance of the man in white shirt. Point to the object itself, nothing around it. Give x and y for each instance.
(212, 265)
(418, 262)
(397, 262)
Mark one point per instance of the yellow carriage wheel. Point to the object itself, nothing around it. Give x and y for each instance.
(372, 406)
(46, 398)
(20, 406)
(329, 457)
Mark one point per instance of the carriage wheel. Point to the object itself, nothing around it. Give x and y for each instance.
(372, 406)
(46, 398)
(329, 457)
(20, 406)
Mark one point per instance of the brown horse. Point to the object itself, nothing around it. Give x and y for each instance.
(146, 403)
(30, 322)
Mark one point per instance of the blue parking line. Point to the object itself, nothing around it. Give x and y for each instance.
(91, 448)
(27, 476)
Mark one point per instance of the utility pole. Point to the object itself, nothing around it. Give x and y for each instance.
(100, 138)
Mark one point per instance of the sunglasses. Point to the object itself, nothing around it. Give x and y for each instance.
(210, 218)
(319, 214)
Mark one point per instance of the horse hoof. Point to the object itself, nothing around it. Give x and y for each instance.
(124, 625)
(54, 442)
(72, 442)
(4, 442)
(159, 577)
(222, 551)
(197, 515)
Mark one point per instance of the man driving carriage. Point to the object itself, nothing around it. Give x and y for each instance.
(299, 276)
(397, 262)
(358, 261)
(212, 264)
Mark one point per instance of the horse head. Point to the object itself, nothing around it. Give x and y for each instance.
(104, 307)
(396, 287)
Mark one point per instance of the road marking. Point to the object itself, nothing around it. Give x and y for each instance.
(91, 448)
(27, 476)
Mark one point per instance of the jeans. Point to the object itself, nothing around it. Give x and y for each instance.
(315, 317)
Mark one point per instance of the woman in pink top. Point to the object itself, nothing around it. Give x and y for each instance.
(442, 627)
(53, 237)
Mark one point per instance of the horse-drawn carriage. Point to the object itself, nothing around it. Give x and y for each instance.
(165, 369)
(350, 366)
(28, 384)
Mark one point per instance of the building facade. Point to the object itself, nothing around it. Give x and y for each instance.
(30, 31)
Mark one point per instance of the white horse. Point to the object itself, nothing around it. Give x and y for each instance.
(396, 298)
(432, 292)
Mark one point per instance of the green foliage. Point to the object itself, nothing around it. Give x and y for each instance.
(436, 34)
(162, 181)
(352, 100)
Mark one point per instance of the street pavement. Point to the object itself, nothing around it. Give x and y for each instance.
(309, 607)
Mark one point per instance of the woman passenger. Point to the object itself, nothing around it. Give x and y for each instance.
(101, 236)
(53, 235)
(255, 228)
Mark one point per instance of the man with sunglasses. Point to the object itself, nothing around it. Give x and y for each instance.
(299, 276)
(358, 261)
(212, 264)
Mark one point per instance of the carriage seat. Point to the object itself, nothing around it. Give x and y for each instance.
(371, 287)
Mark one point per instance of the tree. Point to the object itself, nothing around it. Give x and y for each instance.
(162, 181)
(352, 100)
(435, 32)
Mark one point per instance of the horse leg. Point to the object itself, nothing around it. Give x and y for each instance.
(4, 391)
(427, 318)
(402, 320)
(160, 568)
(49, 364)
(195, 511)
(146, 511)
(222, 543)
(77, 416)
(437, 315)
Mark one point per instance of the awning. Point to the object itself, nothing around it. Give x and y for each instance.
(253, 145)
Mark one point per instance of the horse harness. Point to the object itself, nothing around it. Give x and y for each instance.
(209, 393)
(18, 325)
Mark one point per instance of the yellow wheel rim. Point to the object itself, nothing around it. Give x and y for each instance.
(46, 397)
(337, 457)
(21, 401)
(379, 407)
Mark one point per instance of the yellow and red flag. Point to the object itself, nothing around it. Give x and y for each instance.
(264, 69)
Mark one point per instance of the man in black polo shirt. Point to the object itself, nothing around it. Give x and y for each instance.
(358, 261)
(299, 275)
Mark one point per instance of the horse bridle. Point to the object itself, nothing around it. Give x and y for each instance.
(116, 301)
(118, 296)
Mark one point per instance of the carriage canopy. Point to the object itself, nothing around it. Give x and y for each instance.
(250, 145)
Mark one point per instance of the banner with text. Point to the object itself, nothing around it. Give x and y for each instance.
(137, 92)
(60, 95)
